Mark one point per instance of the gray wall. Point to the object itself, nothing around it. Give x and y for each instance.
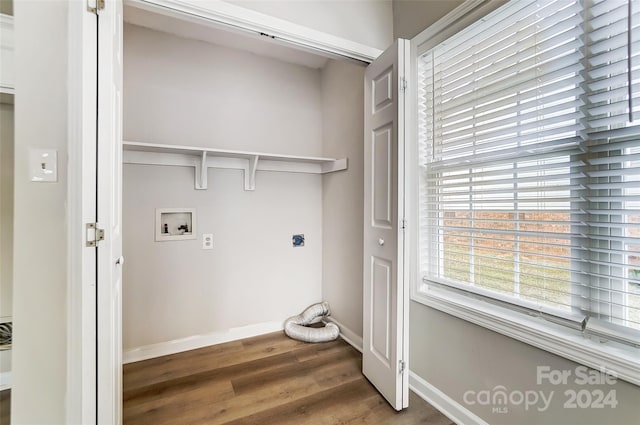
(6, 7)
(456, 356)
(6, 209)
(186, 92)
(411, 17)
(6, 206)
(40, 246)
(342, 198)
(6, 221)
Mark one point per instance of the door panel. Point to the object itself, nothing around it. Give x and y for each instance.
(381, 169)
(385, 292)
(381, 320)
(383, 90)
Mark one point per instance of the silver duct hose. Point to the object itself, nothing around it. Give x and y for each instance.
(296, 327)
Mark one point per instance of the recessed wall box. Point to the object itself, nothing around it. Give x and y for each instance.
(174, 224)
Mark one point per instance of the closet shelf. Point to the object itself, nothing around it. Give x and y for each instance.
(204, 158)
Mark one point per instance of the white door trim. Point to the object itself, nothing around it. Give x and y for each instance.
(404, 156)
(81, 188)
(109, 213)
(228, 16)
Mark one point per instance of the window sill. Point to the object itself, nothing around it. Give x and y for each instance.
(619, 360)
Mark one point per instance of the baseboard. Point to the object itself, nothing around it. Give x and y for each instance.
(347, 334)
(445, 404)
(5, 381)
(198, 341)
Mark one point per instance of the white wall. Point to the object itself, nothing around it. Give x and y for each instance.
(342, 220)
(368, 22)
(182, 91)
(6, 222)
(40, 260)
(187, 92)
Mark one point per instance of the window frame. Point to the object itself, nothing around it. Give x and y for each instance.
(551, 333)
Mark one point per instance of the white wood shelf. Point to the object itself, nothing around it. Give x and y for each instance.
(204, 158)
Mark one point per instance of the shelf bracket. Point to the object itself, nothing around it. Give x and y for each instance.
(250, 173)
(201, 172)
(337, 165)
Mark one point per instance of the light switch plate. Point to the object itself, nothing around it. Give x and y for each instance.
(207, 241)
(43, 165)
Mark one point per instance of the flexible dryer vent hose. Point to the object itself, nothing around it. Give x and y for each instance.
(296, 327)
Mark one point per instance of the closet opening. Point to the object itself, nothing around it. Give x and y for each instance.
(257, 143)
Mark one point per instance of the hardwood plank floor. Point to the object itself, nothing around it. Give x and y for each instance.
(5, 407)
(269, 379)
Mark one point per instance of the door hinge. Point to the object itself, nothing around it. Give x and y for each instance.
(401, 365)
(94, 6)
(403, 224)
(94, 234)
(403, 84)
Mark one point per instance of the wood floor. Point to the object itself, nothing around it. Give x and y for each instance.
(269, 379)
(5, 407)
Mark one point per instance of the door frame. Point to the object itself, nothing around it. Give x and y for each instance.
(85, 267)
(109, 213)
(81, 189)
(94, 343)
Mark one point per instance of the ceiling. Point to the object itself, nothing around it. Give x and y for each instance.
(210, 32)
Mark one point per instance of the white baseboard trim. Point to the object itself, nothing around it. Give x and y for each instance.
(5, 381)
(445, 404)
(347, 334)
(198, 341)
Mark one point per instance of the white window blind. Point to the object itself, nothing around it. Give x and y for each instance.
(530, 167)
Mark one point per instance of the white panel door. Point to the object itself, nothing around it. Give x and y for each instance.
(385, 298)
(109, 193)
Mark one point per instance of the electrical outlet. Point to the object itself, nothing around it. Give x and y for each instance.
(297, 240)
(207, 241)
